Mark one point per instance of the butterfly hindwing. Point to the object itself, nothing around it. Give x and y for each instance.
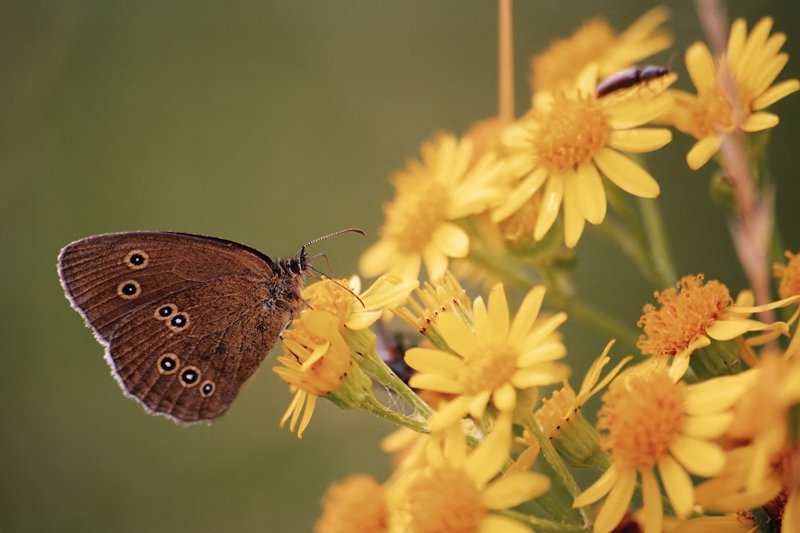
(186, 320)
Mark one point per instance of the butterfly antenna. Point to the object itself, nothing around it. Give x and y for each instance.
(349, 230)
(348, 289)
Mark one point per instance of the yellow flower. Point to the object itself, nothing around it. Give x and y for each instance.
(652, 421)
(356, 505)
(789, 274)
(762, 473)
(455, 493)
(561, 418)
(316, 359)
(689, 319)
(596, 42)
(569, 139)
(356, 310)
(444, 295)
(430, 195)
(491, 363)
(752, 63)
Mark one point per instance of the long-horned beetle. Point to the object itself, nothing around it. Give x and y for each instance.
(629, 78)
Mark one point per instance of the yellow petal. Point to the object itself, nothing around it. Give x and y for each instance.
(435, 382)
(599, 488)
(435, 261)
(736, 40)
(724, 330)
(478, 403)
(775, 93)
(626, 174)
(574, 221)
(377, 259)
(617, 503)
(639, 140)
(791, 513)
(702, 151)
(541, 330)
(451, 239)
(490, 455)
(699, 457)
(363, 319)
(434, 362)
(701, 67)
(407, 267)
(505, 398)
(677, 485)
(717, 394)
(592, 193)
(768, 73)
(527, 314)
(450, 413)
(653, 508)
(707, 426)
(456, 334)
(551, 201)
(760, 121)
(498, 314)
(544, 352)
(680, 363)
(587, 79)
(541, 374)
(514, 489)
(493, 523)
(521, 194)
(754, 44)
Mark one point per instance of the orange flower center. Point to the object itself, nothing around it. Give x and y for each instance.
(790, 276)
(565, 58)
(570, 132)
(488, 367)
(355, 505)
(419, 207)
(682, 316)
(333, 298)
(445, 500)
(642, 420)
(712, 113)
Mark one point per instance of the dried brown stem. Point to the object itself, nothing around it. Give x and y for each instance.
(752, 227)
(505, 84)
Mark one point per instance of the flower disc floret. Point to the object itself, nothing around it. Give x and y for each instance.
(642, 420)
(685, 312)
(570, 132)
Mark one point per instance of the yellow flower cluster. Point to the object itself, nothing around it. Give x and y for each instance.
(714, 392)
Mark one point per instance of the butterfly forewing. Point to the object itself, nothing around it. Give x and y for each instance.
(186, 319)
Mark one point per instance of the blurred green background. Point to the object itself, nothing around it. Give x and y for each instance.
(269, 123)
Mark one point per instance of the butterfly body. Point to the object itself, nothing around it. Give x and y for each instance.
(185, 319)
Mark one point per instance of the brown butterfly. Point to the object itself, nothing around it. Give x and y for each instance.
(185, 319)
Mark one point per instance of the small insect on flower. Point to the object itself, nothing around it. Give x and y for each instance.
(628, 78)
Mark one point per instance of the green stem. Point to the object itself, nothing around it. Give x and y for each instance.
(551, 506)
(559, 467)
(373, 406)
(592, 316)
(365, 354)
(660, 255)
(541, 525)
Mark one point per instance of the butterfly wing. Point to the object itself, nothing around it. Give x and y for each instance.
(185, 319)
